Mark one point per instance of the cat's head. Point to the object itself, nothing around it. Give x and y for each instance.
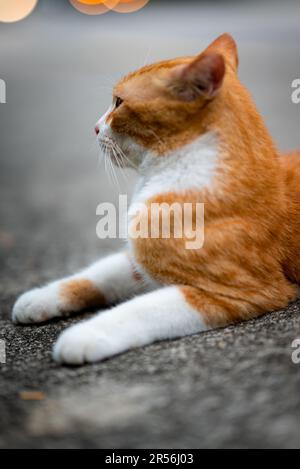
(164, 106)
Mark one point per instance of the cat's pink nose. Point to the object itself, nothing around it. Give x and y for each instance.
(97, 130)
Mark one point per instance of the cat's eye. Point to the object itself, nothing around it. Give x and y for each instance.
(118, 102)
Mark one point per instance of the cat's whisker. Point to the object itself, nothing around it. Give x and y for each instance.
(120, 155)
(120, 163)
(107, 167)
(105, 161)
(100, 156)
(125, 157)
(114, 149)
(110, 172)
(117, 183)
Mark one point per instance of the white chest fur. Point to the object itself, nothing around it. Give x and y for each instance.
(190, 167)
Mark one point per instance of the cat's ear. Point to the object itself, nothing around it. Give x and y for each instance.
(226, 46)
(201, 77)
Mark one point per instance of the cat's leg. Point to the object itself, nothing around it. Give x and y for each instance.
(161, 314)
(105, 282)
(165, 313)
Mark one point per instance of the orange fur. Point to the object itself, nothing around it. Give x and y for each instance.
(81, 294)
(290, 168)
(249, 263)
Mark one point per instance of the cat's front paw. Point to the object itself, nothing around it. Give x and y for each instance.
(38, 305)
(84, 343)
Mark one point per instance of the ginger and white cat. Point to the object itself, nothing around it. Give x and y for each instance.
(194, 134)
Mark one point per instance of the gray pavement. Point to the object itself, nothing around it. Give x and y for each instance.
(235, 387)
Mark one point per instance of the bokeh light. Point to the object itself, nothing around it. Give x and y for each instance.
(94, 7)
(98, 7)
(129, 6)
(92, 2)
(15, 10)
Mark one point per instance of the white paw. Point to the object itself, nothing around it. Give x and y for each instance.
(85, 343)
(37, 305)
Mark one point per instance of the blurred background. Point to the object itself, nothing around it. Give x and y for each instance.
(59, 66)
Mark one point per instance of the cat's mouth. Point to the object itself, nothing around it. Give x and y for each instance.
(110, 149)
